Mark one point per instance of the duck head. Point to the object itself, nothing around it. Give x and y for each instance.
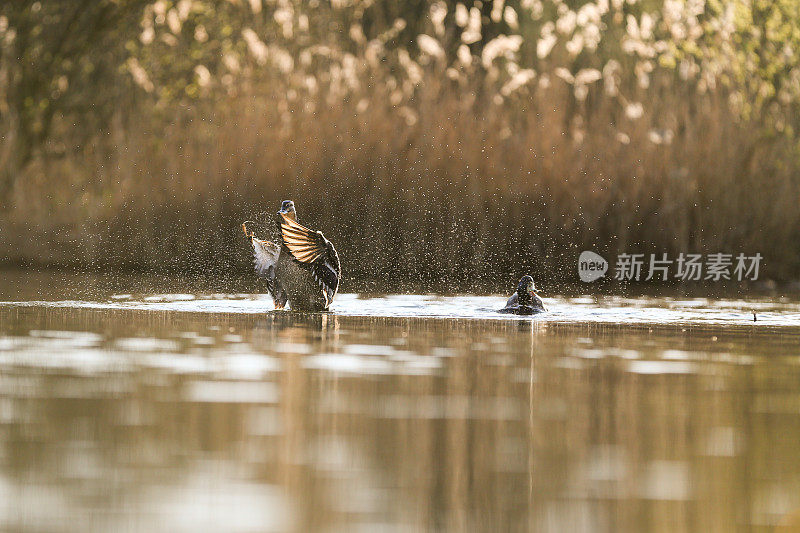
(287, 209)
(525, 290)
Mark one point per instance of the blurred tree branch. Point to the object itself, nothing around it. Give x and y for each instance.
(57, 59)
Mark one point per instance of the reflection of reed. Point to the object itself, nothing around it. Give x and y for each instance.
(559, 428)
(293, 442)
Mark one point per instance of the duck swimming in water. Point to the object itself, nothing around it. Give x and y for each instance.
(303, 270)
(525, 301)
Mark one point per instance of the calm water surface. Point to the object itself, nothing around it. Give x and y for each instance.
(137, 411)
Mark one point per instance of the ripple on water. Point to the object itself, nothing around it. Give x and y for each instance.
(408, 364)
(146, 344)
(207, 391)
(661, 367)
(604, 310)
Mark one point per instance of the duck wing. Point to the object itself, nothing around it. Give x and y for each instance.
(265, 260)
(304, 244)
(312, 249)
(513, 301)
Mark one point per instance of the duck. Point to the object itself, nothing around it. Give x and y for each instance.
(524, 301)
(302, 271)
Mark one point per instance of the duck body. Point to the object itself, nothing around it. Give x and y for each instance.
(304, 270)
(524, 301)
(302, 292)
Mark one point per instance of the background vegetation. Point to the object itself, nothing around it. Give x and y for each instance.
(439, 142)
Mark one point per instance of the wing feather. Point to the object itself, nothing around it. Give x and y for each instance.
(265, 255)
(265, 261)
(304, 244)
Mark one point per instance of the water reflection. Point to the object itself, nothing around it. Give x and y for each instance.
(171, 421)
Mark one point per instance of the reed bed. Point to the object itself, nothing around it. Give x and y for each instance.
(430, 164)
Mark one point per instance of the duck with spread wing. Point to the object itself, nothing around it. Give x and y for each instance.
(304, 270)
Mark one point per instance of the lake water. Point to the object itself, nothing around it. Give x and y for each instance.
(165, 411)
